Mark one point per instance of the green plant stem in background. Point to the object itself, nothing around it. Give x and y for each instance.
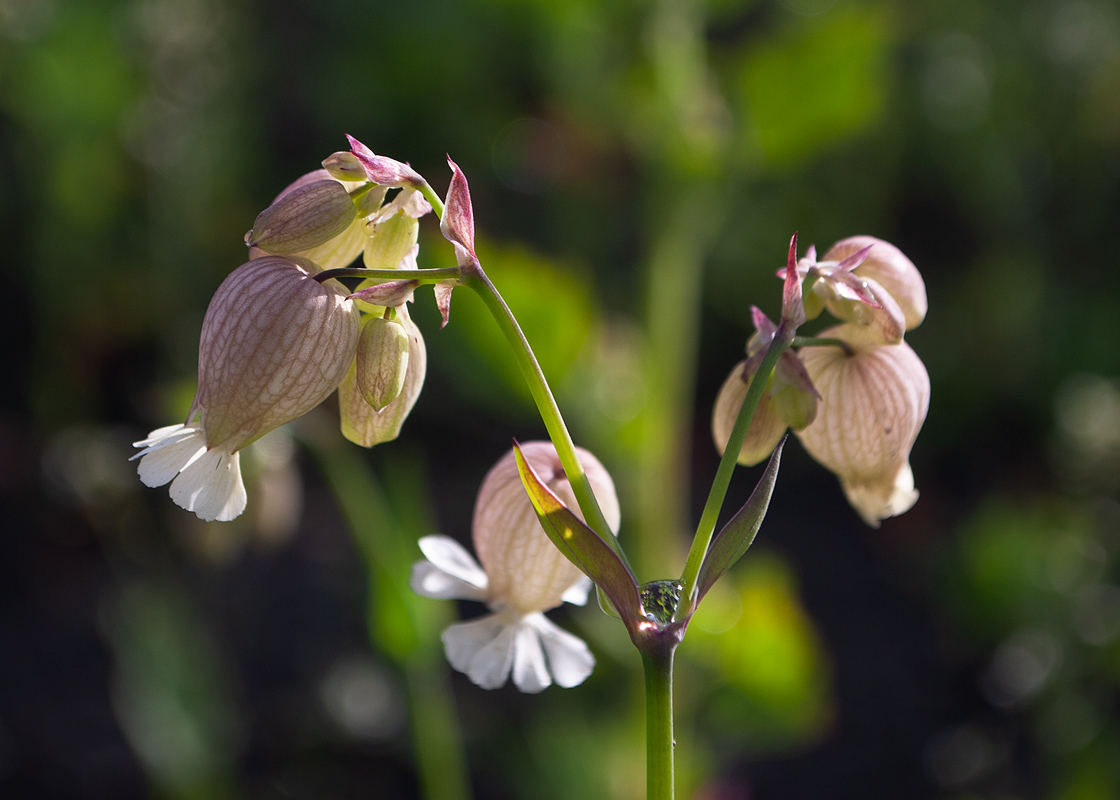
(399, 623)
(674, 282)
(658, 667)
(781, 342)
(476, 279)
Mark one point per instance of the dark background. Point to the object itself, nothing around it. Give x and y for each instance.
(637, 169)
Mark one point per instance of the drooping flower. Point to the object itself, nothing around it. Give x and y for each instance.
(873, 403)
(789, 399)
(275, 343)
(522, 575)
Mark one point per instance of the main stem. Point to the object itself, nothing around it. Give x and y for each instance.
(474, 278)
(783, 338)
(659, 724)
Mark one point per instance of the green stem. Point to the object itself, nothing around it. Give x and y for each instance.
(430, 195)
(436, 741)
(822, 341)
(659, 724)
(474, 278)
(421, 275)
(399, 623)
(781, 342)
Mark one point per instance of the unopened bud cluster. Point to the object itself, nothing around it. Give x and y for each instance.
(276, 342)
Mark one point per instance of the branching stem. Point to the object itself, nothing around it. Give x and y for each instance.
(783, 338)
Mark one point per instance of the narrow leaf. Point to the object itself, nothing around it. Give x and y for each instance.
(581, 545)
(738, 534)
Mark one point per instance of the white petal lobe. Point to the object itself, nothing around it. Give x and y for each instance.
(530, 673)
(211, 486)
(167, 452)
(463, 640)
(451, 557)
(569, 659)
(428, 580)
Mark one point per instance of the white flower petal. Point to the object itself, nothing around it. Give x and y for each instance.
(160, 434)
(210, 486)
(491, 665)
(530, 673)
(577, 593)
(451, 557)
(428, 580)
(482, 648)
(166, 455)
(463, 640)
(569, 659)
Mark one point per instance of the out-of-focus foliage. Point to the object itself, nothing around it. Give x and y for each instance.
(761, 658)
(636, 169)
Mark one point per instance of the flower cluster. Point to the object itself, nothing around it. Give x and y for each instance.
(276, 341)
(858, 402)
(522, 575)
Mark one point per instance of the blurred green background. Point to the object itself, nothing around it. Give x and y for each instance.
(637, 169)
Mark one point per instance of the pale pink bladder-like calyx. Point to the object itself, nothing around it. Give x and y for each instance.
(873, 403)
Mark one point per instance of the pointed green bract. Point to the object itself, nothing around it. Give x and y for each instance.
(738, 534)
(581, 545)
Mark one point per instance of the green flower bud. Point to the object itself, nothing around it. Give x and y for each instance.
(367, 427)
(382, 361)
(303, 218)
(345, 166)
(390, 242)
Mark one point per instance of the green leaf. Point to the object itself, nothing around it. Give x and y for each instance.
(581, 545)
(738, 534)
(838, 69)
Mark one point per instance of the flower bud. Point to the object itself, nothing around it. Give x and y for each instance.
(868, 282)
(390, 242)
(382, 170)
(340, 250)
(884, 321)
(527, 573)
(306, 217)
(873, 404)
(382, 361)
(366, 426)
(344, 166)
(788, 400)
(891, 270)
(766, 427)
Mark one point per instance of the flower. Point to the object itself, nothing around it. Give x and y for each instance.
(868, 282)
(275, 343)
(522, 575)
(789, 399)
(873, 403)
